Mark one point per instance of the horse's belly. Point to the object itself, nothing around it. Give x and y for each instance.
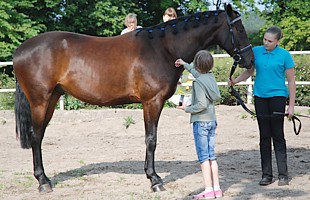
(100, 96)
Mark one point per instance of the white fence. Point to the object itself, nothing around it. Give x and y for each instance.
(248, 82)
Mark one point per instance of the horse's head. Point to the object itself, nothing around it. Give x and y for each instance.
(237, 43)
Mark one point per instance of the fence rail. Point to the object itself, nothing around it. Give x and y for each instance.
(248, 82)
(249, 89)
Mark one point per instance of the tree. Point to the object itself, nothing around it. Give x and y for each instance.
(151, 11)
(15, 27)
(23, 19)
(293, 18)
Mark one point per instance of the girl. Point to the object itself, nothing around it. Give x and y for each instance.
(202, 110)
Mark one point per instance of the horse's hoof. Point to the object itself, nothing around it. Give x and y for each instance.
(46, 188)
(158, 188)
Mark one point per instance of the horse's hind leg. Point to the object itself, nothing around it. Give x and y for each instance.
(152, 112)
(41, 117)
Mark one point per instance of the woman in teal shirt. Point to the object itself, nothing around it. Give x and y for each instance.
(273, 64)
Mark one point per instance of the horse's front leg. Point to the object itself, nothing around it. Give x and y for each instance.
(151, 116)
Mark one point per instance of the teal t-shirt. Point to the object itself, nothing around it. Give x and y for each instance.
(270, 71)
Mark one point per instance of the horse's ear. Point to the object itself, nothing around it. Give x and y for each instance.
(229, 10)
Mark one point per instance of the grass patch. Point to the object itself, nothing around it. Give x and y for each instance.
(128, 121)
(23, 179)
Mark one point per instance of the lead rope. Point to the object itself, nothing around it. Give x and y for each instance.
(234, 93)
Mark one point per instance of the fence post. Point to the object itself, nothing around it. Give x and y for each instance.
(61, 103)
(249, 90)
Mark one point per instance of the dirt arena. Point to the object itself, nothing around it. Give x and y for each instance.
(89, 154)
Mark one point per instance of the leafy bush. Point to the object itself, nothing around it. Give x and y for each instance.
(6, 98)
(302, 73)
(72, 103)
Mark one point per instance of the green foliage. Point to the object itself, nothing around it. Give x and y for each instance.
(101, 18)
(107, 25)
(296, 33)
(7, 98)
(169, 104)
(15, 26)
(293, 18)
(151, 12)
(128, 106)
(7, 101)
(23, 19)
(245, 5)
(195, 6)
(302, 73)
(72, 103)
(128, 121)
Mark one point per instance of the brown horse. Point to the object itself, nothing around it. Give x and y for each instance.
(134, 67)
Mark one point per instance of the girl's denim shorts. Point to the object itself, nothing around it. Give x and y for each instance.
(204, 136)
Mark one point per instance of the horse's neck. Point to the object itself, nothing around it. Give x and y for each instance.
(186, 43)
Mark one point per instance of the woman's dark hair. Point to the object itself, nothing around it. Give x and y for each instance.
(275, 31)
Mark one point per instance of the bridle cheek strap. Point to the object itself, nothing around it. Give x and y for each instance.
(237, 57)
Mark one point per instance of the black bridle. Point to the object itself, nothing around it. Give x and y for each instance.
(237, 58)
(237, 52)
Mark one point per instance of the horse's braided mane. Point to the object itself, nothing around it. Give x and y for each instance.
(189, 20)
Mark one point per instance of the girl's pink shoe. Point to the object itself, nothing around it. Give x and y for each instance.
(218, 193)
(205, 195)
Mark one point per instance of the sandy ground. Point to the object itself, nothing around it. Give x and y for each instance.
(89, 154)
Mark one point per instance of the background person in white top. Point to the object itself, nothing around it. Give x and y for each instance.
(131, 23)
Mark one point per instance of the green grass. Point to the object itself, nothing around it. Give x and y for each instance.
(128, 121)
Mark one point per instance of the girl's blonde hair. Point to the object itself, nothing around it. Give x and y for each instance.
(203, 61)
(129, 18)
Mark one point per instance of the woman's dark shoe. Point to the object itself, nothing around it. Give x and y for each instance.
(283, 181)
(266, 181)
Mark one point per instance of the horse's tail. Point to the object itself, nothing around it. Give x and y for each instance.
(23, 118)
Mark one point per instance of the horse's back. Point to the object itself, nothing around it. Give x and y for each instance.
(97, 70)
(48, 40)
(86, 67)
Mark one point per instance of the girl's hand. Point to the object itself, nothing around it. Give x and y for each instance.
(181, 107)
(179, 62)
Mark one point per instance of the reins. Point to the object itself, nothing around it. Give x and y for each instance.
(237, 58)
